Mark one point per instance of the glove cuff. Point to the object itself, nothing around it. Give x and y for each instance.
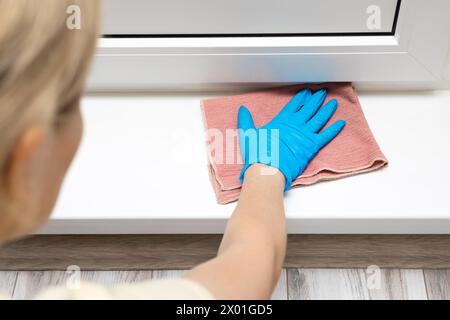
(286, 177)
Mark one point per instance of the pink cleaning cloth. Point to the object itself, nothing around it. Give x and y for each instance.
(353, 151)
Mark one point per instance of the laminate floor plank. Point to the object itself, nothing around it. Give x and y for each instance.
(437, 284)
(111, 278)
(29, 283)
(397, 284)
(7, 282)
(333, 284)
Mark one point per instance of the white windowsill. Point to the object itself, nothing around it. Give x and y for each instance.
(127, 177)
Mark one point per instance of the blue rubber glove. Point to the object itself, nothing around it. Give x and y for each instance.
(291, 140)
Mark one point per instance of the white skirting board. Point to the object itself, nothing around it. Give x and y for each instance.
(142, 169)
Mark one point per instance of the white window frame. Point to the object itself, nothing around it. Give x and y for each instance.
(418, 53)
(180, 18)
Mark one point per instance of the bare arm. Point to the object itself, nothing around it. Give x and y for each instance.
(253, 247)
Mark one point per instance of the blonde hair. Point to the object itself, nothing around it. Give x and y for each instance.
(43, 63)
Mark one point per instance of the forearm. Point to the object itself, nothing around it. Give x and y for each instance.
(252, 251)
(259, 216)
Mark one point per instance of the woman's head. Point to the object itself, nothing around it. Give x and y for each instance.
(43, 65)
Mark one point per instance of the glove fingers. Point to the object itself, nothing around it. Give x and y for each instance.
(247, 134)
(297, 101)
(330, 133)
(311, 106)
(245, 120)
(322, 116)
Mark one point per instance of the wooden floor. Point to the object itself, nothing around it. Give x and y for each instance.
(316, 266)
(294, 284)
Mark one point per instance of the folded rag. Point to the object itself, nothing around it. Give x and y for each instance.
(353, 151)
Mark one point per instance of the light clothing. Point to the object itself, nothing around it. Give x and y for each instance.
(176, 289)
